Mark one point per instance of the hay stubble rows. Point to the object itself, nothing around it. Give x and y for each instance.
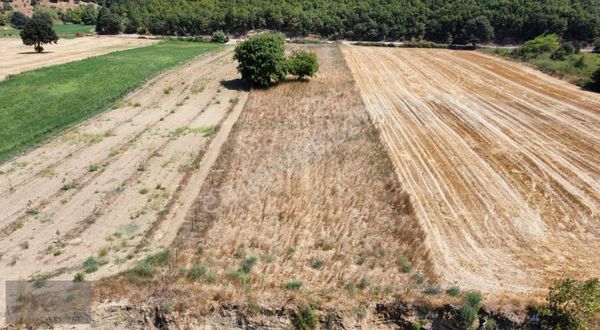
(502, 163)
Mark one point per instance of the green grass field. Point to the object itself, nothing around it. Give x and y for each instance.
(577, 68)
(65, 31)
(38, 104)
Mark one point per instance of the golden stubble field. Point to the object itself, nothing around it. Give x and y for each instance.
(502, 163)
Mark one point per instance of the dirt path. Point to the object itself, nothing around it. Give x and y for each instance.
(113, 184)
(502, 162)
(17, 57)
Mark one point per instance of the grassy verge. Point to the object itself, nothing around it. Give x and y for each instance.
(64, 31)
(38, 104)
(576, 68)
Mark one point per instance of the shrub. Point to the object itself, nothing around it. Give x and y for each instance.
(261, 59)
(293, 285)
(559, 54)
(404, 264)
(474, 299)
(541, 44)
(574, 304)
(3, 20)
(79, 277)
(302, 64)
(108, 23)
(305, 319)
(431, 290)
(453, 291)
(596, 79)
(18, 20)
(467, 314)
(219, 37)
(91, 264)
(317, 264)
(197, 271)
(248, 263)
(596, 45)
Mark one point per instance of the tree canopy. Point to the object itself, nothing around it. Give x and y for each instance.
(436, 20)
(39, 31)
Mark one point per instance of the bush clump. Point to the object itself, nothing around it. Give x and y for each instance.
(573, 304)
(261, 59)
(18, 20)
(303, 64)
(542, 44)
(219, 37)
(596, 80)
(262, 62)
(305, 319)
(596, 45)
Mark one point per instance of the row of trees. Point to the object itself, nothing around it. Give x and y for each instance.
(437, 20)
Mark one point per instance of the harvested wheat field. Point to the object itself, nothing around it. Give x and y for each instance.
(501, 161)
(17, 58)
(120, 183)
(300, 207)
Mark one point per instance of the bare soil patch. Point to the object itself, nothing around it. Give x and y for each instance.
(502, 162)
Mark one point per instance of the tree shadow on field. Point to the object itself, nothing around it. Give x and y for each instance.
(235, 85)
(31, 53)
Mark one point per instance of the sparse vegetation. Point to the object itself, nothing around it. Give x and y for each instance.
(305, 319)
(293, 285)
(573, 304)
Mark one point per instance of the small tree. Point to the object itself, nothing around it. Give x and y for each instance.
(478, 30)
(18, 20)
(38, 31)
(261, 59)
(108, 23)
(220, 37)
(303, 64)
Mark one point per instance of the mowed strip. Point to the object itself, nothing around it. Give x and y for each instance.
(101, 189)
(40, 103)
(17, 58)
(503, 163)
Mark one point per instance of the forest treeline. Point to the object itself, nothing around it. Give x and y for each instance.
(436, 20)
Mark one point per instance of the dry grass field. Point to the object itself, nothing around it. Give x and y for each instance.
(17, 58)
(502, 163)
(301, 207)
(106, 189)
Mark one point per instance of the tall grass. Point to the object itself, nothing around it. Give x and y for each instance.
(38, 104)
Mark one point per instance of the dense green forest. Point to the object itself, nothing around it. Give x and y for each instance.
(437, 20)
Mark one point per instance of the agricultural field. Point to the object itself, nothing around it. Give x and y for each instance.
(40, 103)
(92, 198)
(300, 206)
(17, 58)
(501, 162)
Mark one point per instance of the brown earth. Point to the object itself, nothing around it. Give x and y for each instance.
(17, 57)
(120, 183)
(502, 163)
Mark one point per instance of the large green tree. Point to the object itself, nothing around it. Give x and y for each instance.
(38, 31)
(261, 59)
